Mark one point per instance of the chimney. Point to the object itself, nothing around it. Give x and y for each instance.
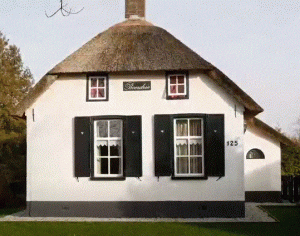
(134, 9)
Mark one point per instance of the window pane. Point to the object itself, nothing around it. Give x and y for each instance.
(93, 82)
(173, 89)
(182, 165)
(93, 93)
(101, 93)
(99, 166)
(172, 79)
(255, 154)
(180, 88)
(115, 148)
(195, 147)
(115, 166)
(195, 128)
(101, 82)
(102, 128)
(180, 79)
(182, 128)
(102, 148)
(104, 165)
(115, 128)
(181, 147)
(196, 165)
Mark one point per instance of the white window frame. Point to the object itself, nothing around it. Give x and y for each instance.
(184, 84)
(188, 137)
(108, 139)
(104, 87)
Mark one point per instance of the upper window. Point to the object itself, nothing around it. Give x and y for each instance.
(177, 86)
(97, 88)
(108, 148)
(188, 147)
(255, 154)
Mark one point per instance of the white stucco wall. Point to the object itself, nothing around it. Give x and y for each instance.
(50, 138)
(262, 174)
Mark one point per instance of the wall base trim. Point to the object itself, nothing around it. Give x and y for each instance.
(130, 209)
(263, 196)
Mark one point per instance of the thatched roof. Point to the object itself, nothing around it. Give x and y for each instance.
(137, 46)
(251, 107)
(269, 131)
(134, 45)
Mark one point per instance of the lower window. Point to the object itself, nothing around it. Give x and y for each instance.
(188, 147)
(108, 148)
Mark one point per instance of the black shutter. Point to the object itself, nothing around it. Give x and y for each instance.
(214, 145)
(133, 146)
(82, 147)
(162, 136)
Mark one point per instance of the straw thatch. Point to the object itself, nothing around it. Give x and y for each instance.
(269, 131)
(137, 46)
(134, 45)
(33, 94)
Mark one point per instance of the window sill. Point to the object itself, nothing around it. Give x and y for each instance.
(189, 178)
(97, 100)
(176, 97)
(108, 178)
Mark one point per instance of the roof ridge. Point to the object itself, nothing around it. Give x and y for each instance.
(132, 22)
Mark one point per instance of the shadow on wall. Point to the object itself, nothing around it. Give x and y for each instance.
(263, 178)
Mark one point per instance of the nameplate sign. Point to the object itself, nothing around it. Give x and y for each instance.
(137, 86)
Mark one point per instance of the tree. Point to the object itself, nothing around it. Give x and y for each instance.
(15, 82)
(64, 10)
(290, 163)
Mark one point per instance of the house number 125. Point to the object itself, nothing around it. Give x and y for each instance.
(232, 143)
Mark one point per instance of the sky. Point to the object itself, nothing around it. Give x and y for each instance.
(256, 43)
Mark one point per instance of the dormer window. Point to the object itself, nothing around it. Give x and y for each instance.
(97, 88)
(177, 86)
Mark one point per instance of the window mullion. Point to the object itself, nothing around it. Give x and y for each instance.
(97, 87)
(105, 86)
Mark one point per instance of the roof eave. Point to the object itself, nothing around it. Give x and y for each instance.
(269, 131)
(251, 107)
(43, 84)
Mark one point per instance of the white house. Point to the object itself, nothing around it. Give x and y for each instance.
(136, 124)
(262, 149)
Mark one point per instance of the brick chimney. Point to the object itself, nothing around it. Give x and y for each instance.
(134, 9)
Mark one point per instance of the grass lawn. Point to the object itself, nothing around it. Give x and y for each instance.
(289, 225)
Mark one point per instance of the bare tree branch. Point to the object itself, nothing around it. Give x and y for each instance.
(63, 10)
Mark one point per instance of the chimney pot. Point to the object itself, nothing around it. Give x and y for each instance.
(134, 9)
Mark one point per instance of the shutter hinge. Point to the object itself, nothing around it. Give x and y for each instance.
(219, 178)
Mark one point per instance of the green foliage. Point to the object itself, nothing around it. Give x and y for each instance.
(290, 156)
(15, 82)
(290, 161)
(9, 211)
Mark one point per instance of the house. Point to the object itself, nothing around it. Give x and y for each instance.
(262, 153)
(136, 124)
